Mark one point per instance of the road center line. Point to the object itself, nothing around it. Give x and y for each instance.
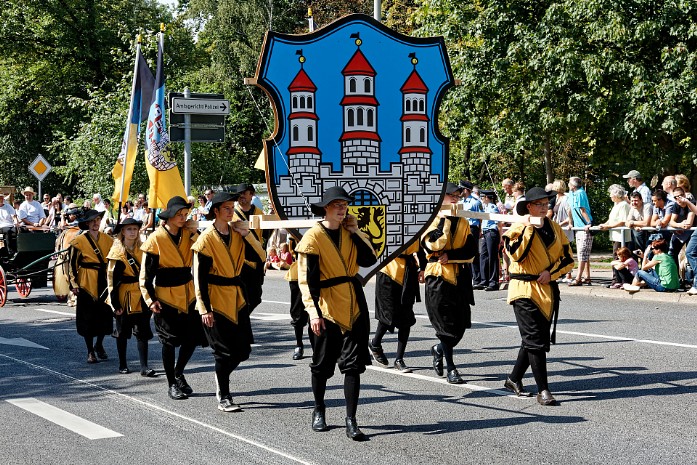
(53, 311)
(160, 409)
(559, 331)
(65, 419)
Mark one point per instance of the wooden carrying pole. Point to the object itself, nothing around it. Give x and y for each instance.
(458, 210)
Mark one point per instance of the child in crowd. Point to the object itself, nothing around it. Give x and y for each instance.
(624, 268)
(272, 259)
(285, 256)
(659, 273)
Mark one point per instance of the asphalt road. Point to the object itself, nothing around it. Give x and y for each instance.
(623, 373)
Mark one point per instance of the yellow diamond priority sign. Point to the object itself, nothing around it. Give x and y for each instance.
(40, 168)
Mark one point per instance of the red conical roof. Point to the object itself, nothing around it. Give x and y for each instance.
(302, 83)
(358, 65)
(414, 84)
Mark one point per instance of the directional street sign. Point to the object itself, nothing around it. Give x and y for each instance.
(40, 168)
(200, 106)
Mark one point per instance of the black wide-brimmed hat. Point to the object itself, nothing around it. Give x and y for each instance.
(536, 193)
(244, 187)
(173, 206)
(126, 222)
(451, 188)
(488, 193)
(333, 193)
(87, 216)
(218, 199)
(73, 210)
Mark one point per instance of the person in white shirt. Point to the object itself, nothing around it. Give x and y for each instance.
(7, 223)
(97, 203)
(138, 210)
(31, 213)
(635, 180)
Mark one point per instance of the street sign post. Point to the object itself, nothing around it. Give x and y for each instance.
(40, 169)
(196, 117)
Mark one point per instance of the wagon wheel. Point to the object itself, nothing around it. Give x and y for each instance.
(3, 288)
(23, 286)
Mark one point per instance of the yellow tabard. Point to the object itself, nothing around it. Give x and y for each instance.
(87, 278)
(338, 303)
(129, 293)
(170, 255)
(531, 256)
(292, 273)
(395, 269)
(227, 262)
(455, 233)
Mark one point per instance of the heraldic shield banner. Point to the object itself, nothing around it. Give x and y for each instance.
(356, 106)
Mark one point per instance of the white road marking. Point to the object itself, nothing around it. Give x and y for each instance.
(65, 419)
(559, 331)
(268, 316)
(431, 379)
(53, 311)
(161, 409)
(20, 341)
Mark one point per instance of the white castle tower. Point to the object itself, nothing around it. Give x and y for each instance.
(421, 188)
(360, 142)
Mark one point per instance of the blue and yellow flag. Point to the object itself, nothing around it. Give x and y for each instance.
(141, 96)
(165, 180)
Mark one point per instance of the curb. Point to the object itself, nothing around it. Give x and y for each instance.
(643, 295)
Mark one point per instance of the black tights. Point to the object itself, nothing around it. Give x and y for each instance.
(447, 350)
(402, 338)
(352, 389)
(299, 335)
(537, 359)
(223, 369)
(122, 345)
(91, 344)
(172, 371)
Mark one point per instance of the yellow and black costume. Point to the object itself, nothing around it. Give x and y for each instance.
(449, 291)
(298, 315)
(166, 277)
(396, 290)
(87, 272)
(218, 262)
(533, 251)
(328, 264)
(124, 294)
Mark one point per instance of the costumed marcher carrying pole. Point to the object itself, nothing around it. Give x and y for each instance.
(396, 290)
(219, 256)
(298, 315)
(539, 256)
(132, 315)
(449, 248)
(87, 275)
(168, 289)
(329, 256)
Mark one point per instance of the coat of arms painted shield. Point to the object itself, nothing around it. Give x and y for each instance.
(356, 106)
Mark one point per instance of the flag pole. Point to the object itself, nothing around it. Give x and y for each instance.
(128, 130)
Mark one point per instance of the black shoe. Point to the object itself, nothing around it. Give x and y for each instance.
(92, 358)
(124, 370)
(437, 360)
(479, 287)
(176, 393)
(545, 398)
(319, 424)
(227, 405)
(148, 372)
(298, 353)
(183, 385)
(454, 377)
(378, 355)
(352, 431)
(101, 353)
(492, 288)
(400, 366)
(516, 388)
